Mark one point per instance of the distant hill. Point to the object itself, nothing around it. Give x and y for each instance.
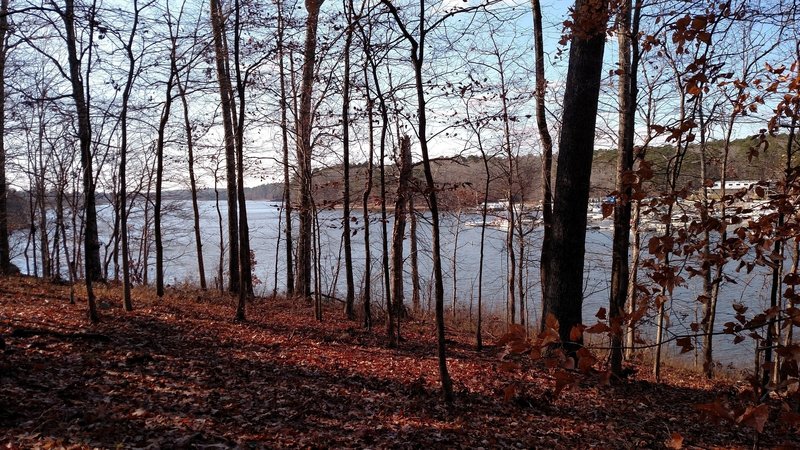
(268, 192)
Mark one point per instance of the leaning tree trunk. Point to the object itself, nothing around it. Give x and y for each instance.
(564, 298)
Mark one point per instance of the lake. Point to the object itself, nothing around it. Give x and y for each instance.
(265, 227)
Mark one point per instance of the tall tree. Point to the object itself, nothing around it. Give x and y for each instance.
(348, 250)
(304, 151)
(122, 197)
(417, 43)
(287, 196)
(190, 149)
(160, 144)
(627, 38)
(564, 296)
(225, 92)
(81, 98)
(5, 259)
(547, 144)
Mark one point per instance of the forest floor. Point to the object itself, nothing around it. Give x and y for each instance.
(179, 373)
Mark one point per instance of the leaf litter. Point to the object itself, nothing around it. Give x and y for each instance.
(177, 372)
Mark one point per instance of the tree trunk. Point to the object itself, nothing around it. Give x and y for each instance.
(287, 196)
(576, 148)
(187, 125)
(245, 266)
(398, 234)
(627, 36)
(547, 149)
(454, 267)
(630, 306)
(511, 256)
(484, 211)
(5, 258)
(349, 310)
(91, 242)
(162, 127)
(367, 293)
(304, 151)
(387, 279)
(122, 198)
(224, 79)
(412, 232)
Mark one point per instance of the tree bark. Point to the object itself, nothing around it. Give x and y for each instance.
(576, 147)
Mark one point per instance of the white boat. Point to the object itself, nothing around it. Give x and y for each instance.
(498, 223)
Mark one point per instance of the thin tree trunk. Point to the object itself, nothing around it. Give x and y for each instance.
(628, 28)
(484, 212)
(5, 258)
(547, 149)
(454, 267)
(387, 279)
(417, 60)
(245, 268)
(221, 265)
(198, 240)
(122, 197)
(367, 293)
(415, 288)
(630, 329)
(162, 127)
(348, 251)
(287, 196)
(510, 210)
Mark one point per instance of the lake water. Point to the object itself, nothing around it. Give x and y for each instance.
(265, 227)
